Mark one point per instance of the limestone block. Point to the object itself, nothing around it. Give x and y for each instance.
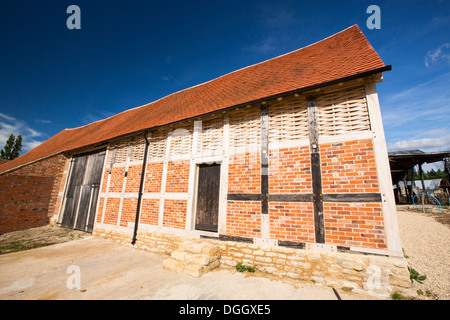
(191, 246)
(173, 265)
(258, 253)
(194, 270)
(404, 282)
(293, 275)
(314, 257)
(178, 255)
(211, 266)
(200, 259)
(210, 249)
(350, 263)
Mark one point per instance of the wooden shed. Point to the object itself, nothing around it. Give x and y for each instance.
(287, 152)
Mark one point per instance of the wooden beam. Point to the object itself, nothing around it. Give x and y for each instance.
(244, 197)
(124, 181)
(224, 175)
(224, 237)
(164, 179)
(423, 186)
(352, 197)
(291, 244)
(264, 160)
(316, 173)
(383, 169)
(291, 197)
(190, 212)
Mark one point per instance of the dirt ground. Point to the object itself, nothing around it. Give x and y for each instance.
(37, 237)
(109, 271)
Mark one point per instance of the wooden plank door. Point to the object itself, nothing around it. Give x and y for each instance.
(95, 180)
(83, 191)
(208, 197)
(73, 191)
(89, 192)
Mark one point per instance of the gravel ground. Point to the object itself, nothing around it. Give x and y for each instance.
(426, 243)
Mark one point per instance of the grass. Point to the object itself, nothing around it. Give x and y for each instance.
(17, 246)
(397, 296)
(36, 237)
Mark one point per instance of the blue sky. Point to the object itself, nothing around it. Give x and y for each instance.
(129, 53)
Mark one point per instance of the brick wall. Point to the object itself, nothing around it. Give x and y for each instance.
(153, 177)
(291, 221)
(290, 170)
(116, 182)
(175, 213)
(112, 211)
(133, 178)
(128, 211)
(29, 195)
(349, 167)
(355, 224)
(150, 211)
(177, 176)
(244, 173)
(244, 218)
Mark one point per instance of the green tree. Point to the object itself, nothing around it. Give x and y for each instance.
(12, 147)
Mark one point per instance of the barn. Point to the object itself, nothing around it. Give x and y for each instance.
(286, 156)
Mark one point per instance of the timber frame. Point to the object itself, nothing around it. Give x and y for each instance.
(264, 197)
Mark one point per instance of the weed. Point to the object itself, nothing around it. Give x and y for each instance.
(242, 268)
(251, 269)
(415, 276)
(404, 254)
(397, 296)
(431, 295)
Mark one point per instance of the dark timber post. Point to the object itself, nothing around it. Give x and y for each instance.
(423, 187)
(319, 225)
(264, 159)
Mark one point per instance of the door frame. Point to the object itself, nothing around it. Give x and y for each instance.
(219, 161)
(67, 182)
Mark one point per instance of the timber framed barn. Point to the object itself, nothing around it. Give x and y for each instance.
(287, 153)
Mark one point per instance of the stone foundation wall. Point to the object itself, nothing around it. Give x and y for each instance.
(374, 275)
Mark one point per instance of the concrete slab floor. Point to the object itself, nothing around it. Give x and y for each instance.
(99, 269)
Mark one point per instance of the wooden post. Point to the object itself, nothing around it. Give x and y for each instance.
(264, 160)
(412, 185)
(405, 184)
(164, 179)
(224, 175)
(124, 181)
(316, 172)
(383, 169)
(265, 224)
(423, 187)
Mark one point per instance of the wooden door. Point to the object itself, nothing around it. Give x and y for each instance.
(83, 190)
(208, 197)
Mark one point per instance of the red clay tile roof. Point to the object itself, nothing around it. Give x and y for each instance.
(342, 55)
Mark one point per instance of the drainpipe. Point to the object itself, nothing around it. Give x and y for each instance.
(141, 187)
